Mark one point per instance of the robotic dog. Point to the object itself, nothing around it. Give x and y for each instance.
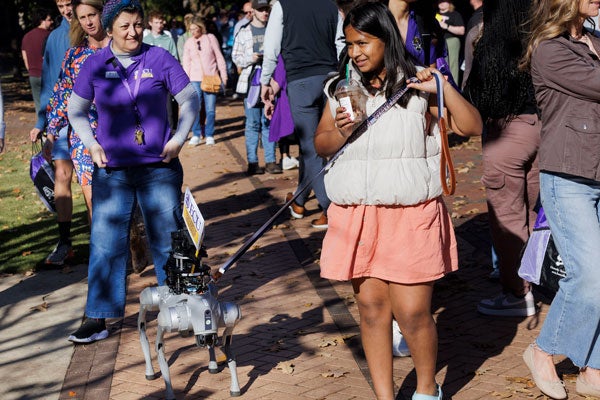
(188, 304)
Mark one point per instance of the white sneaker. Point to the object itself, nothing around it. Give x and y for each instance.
(194, 141)
(508, 305)
(289, 163)
(399, 346)
(210, 141)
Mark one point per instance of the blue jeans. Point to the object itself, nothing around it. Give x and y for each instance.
(307, 102)
(257, 124)
(115, 192)
(572, 326)
(210, 104)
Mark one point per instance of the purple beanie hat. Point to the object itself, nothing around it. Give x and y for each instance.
(113, 8)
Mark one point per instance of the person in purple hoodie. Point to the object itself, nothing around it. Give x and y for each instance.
(136, 156)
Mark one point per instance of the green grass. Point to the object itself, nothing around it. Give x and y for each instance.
(28, 231)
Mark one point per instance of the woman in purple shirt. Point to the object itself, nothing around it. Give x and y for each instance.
(134, 153)
(420, 37)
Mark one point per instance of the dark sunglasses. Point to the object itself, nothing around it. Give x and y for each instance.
(199, 46)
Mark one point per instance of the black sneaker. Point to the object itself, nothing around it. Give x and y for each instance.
(60, 254)
(90, 331)
(255, 169)
(273, 168)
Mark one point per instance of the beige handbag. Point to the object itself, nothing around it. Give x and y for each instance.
(211, 83)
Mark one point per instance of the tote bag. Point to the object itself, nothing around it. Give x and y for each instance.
(253, 99)
(540, 263)
(42, 175)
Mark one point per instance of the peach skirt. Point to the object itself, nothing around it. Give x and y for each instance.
(403, 244)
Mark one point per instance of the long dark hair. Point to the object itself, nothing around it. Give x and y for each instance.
(376, 20)
(496, 86)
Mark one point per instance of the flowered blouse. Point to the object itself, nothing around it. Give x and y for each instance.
(57, 114)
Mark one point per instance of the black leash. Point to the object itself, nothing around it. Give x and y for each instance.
(360, 129)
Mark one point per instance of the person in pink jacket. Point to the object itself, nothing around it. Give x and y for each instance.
(202, 56)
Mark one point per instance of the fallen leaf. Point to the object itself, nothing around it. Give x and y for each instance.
(72, 394)
(517, 379)
(221, 359)
(40, 307)
(463, 170)
(334, 374)
(502, 395)
(323, 354)
(26, 253)
(286, 367)
(275, 347)
(328, 342)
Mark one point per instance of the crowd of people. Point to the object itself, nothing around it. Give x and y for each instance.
(116, 96)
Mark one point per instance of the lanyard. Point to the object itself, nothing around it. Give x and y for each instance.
(139, 131)
(121, 72)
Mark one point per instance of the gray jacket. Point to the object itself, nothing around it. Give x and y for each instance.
(566, 78)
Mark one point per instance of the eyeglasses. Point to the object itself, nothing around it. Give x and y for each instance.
(199, 46)
(248, 12)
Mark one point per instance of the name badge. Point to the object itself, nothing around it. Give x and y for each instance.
(111, 75)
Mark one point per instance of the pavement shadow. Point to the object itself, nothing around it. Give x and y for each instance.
(36, 315)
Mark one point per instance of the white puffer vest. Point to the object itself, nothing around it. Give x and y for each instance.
(395, 162)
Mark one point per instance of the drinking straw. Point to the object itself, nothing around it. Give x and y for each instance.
(348, 73)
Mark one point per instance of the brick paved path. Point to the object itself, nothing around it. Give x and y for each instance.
(298, 338)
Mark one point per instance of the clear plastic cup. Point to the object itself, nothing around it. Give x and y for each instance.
(351, 96)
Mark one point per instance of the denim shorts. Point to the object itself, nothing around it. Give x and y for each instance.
(60, 149)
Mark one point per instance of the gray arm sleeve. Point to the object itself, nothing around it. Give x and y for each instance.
(78, 109)
(272, 43)
(189, 106)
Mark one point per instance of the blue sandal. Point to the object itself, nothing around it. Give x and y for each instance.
(419, 396)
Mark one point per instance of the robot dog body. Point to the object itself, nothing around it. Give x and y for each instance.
(188, 304)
